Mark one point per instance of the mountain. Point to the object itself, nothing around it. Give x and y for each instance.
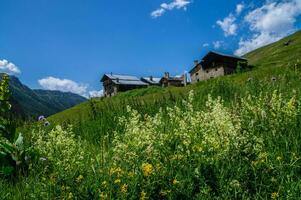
(28, 103)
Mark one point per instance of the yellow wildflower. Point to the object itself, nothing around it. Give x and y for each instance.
(164, 192)
(275, 195)
(70, 195)
(79, 178)
(124, 188)
(147, 169)
(142, 195)
(175, 181)
(104, 183)
(103, 195)
(279, 158)
(117, 181)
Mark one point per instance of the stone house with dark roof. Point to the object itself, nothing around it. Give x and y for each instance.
(213, 65)
(113, 83)
(176, 81)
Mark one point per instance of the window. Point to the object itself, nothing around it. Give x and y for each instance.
(207, 71)
(211, 77)
(198, 80)
(215, 69)
(196, 74)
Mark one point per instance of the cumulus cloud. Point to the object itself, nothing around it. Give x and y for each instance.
(95, 93)
(206, 45)
(269, 23)
(8, 67)
(239, 8)
(228, 25)
(176, 4)
(217, 44)
(64, 85)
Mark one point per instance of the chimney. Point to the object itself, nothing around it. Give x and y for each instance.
(196, 62)
(166, 74)
(151, 78)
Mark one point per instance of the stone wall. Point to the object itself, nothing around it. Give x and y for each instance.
(201, 74)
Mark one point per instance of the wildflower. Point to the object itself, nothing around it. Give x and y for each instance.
(41, 118)
(147, 169)
(117, 181)
(79, 178)
(275, 195)
(104, 183)
(70, 195)
(235, 184)
(273, 179)
(124, 188)
(175, 181)
(47, 123)
(279, 158)
(142, 195)
(163, 193)
(131, 174)
(43, 159)
(103, 195)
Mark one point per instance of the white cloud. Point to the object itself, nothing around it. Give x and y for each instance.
(258, 40)
(269, 23)
(228, 25)
(217, 44)
(176, 4)
(206, 45)
(64, 85)
(95, 93)
(239, 8)
(8, 67)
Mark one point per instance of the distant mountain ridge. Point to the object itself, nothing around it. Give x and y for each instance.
(28, 103)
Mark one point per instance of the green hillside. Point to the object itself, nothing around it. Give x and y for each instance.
(285, 52)
(233, 137)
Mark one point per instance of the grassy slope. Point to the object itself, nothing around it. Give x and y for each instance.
(277, 54)
(100, 116)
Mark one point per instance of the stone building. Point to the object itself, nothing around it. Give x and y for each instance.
(113, 83)
(176, 81)
(213, 65)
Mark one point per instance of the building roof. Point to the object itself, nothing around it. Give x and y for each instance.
(123, 79)
(155, 81)
(225, 55)
(214, 53)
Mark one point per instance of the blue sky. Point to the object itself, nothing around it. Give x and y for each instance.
(68, 44)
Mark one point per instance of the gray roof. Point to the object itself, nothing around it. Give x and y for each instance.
(153, 81)
(124, 79)
(227, 55)
(129, 82)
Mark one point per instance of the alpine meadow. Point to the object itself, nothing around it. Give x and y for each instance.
(235, 136)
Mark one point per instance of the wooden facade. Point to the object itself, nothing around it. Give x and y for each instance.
(214, 65)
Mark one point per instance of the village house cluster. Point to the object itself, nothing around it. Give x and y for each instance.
(212, 65)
